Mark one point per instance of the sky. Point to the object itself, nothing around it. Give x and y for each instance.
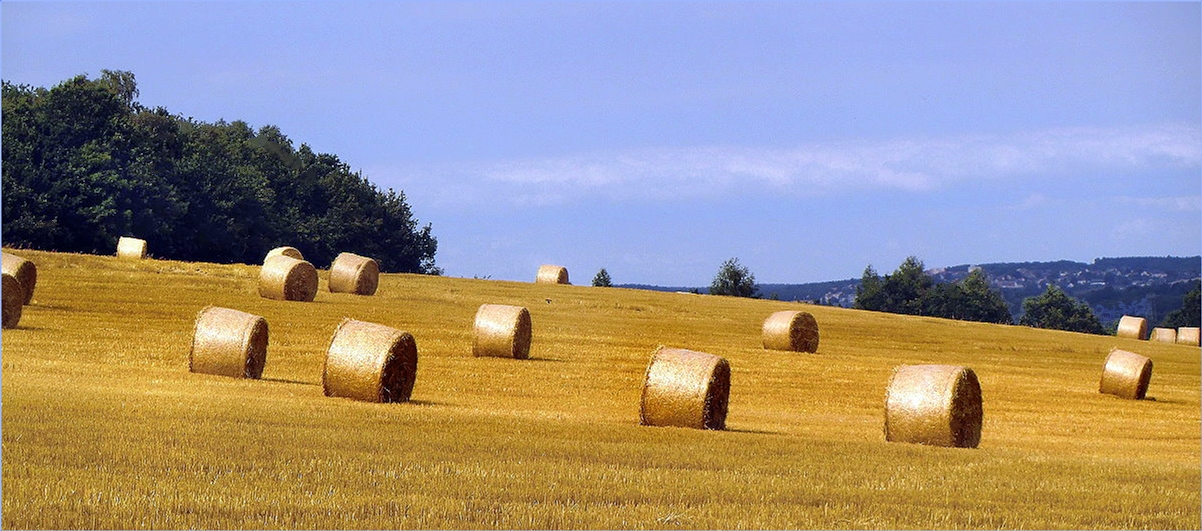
(659, 139)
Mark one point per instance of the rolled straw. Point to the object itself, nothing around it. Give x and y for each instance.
(686, 389)
(938, 405)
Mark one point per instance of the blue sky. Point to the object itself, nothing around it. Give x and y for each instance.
(658, 139)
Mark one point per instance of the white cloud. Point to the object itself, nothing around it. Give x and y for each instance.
(1191, 203)
(907, 165)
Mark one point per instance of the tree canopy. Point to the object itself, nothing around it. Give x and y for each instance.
(1190, 312)
(735, 280)
(910, 290)
(1054, 309)
(84, 164)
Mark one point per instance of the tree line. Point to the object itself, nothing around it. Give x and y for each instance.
(84, 164)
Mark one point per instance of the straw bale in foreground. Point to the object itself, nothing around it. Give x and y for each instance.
(287, 279)
(1163, 335)
(25, 271)
(228, 342)
(791, 330)
(370, 362)
(131, 248)
(938, 405)
(13, 300)
(291, 252)
(351, 273)
(552, 274)
(1189, 335)
(502, 331)
(1126, 375)
(685, 388)
(1132, 327)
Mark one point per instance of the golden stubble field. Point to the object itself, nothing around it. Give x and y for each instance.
(104, 427)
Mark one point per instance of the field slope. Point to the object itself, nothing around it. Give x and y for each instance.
(104, 427)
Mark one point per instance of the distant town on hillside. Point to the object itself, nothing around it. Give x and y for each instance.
(1149, 287)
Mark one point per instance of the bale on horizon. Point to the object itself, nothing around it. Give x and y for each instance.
(292, 252)
(791, 330)
(133, 248)
(552, 274)
(25, 272)
(685, 388)
(351, 273)
(1132, 327)
(287, 279)
(938, 405)
(228, 342)
(13, 295)
(1163, 335)
(1126, 375)
(502, 331)
(1189, 335)
(370, 362)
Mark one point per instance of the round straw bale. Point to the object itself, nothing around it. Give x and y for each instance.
(552, 274)
(938, 405)
(351, 273)
(287, 279)
(1163, 335)
(25, 271)
(791, 330)
(370, 362)
(685, 388)
(1126, 375)
(131, 248)
(13, 300)
(1133, 327)
(228, 343)
(286, 251)
(502, 331)
(1189, 335)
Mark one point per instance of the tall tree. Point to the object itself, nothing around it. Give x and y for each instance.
(1190, 312)
(602, 279)
(1055, 310)
(734, 279)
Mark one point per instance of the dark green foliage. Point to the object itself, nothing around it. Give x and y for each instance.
(602, 279)
(735, 280)
(1190, 312)
(84, 164)
(1055, 310)
(910, 290)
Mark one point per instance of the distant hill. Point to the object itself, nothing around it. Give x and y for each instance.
(1148, 286)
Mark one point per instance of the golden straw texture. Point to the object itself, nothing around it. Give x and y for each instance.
(291, 252)
(938, 405)
(1188, 335)
(25, 271)
(1126, 375)
(287, 279)
(1163, 335)
(370, 362)
(229, 343)
(131, 248)
(552, 274)
(791, 330)
(1132, 327)
(351, 273)
(13, 300)
(686, 389)
(502, 331)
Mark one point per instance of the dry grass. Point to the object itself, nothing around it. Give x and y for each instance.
(555, 441)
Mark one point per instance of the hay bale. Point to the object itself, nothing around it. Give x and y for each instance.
(1132, 327)
(791, 330)
(686, 389)
(938, 405)
(351, 273)
(1189, 335)
(1126, 375)
(502, 331)
(25, 271)
(287, 279)
(131, 248)
(13, 300)
(1163, 335)
(292, 252)
(370, 362)
(552, 274)
(228, 343)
